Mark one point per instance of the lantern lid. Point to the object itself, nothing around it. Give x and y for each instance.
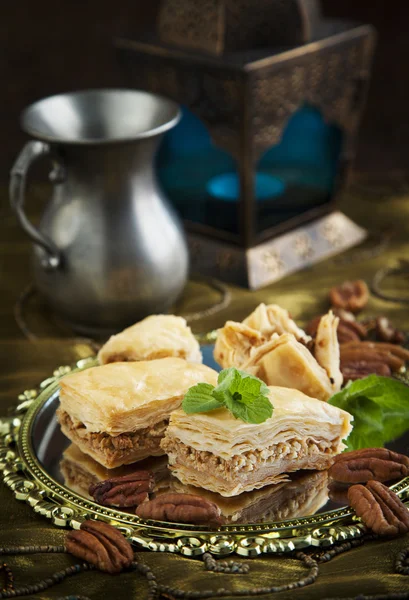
(221, 26)
(327, 32)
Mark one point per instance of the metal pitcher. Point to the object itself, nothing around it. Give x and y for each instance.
(109, 249)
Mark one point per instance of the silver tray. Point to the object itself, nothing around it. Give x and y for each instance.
(32, 448)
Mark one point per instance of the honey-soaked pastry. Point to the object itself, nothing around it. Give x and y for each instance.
(272, 319)
(326, 350)
(288, 363)
(237, 342)
(228, 456)
(157, 336)
(118, 413)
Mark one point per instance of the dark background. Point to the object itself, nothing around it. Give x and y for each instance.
(48, 47)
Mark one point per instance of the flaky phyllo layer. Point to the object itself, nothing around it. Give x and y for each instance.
(225, 455)
(157, 336)
(269, 345)
(118, 413)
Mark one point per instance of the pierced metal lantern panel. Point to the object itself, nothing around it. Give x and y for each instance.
(265, 141)
(219, 26)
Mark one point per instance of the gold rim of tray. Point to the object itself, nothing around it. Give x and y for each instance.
(26, 477)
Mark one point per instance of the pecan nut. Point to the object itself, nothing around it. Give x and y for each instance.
(101, 545)
(359, 359)
(125, 491)
(377, 464)
(180, 508)
(357, 370)
(392, 349)
(349, 330)
(371, 355)
(338, 492)
(379, 508)
(344, 315)
(352, 296)
(387, 333)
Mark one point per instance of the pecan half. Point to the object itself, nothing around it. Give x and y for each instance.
(353, 353)
(180, 508)
(344, 315)
(348, 330)
(368, 464)
(125, 491)
(312, 326)
(379, 508)
(387, 333)
(358, 370)
(338, 492)
(393, 349)
(352, 296)
(101, 545)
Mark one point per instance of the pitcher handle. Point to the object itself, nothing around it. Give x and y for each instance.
(31, 152)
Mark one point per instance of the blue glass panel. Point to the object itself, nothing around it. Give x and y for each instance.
(227, 187)
(187, 162)
(306, 162)
(292, 177)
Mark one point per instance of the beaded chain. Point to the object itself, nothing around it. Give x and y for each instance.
(8, 577)
(158, 591)
(392, 596)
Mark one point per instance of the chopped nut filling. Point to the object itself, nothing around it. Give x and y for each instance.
(114, 448)
(204, 461)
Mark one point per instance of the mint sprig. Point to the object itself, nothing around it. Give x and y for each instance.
(380, 407)
(244, 395)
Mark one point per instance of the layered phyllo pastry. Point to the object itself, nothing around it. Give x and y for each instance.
(157, 336)
(218, 452)
(284, 358)
(236, 341)
(118, 413)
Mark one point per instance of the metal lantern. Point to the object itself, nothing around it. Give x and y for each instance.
(271, 108)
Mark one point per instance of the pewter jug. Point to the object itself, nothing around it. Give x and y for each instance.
(109, 249)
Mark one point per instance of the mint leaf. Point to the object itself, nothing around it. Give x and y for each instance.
(199, 398)
(380, 407)
(229, 380)
(251, 388)
(257, 411)
(244, 395)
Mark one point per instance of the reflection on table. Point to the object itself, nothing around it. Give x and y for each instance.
(304, 494)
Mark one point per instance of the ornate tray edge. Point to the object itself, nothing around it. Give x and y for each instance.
(22, 473)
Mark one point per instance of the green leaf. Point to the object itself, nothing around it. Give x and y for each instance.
(199, 398)
(255, 412)
(251, 388)
(228, 380)
(380, 407)
(244, 395)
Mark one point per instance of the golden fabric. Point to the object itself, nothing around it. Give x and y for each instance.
(368, 569)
